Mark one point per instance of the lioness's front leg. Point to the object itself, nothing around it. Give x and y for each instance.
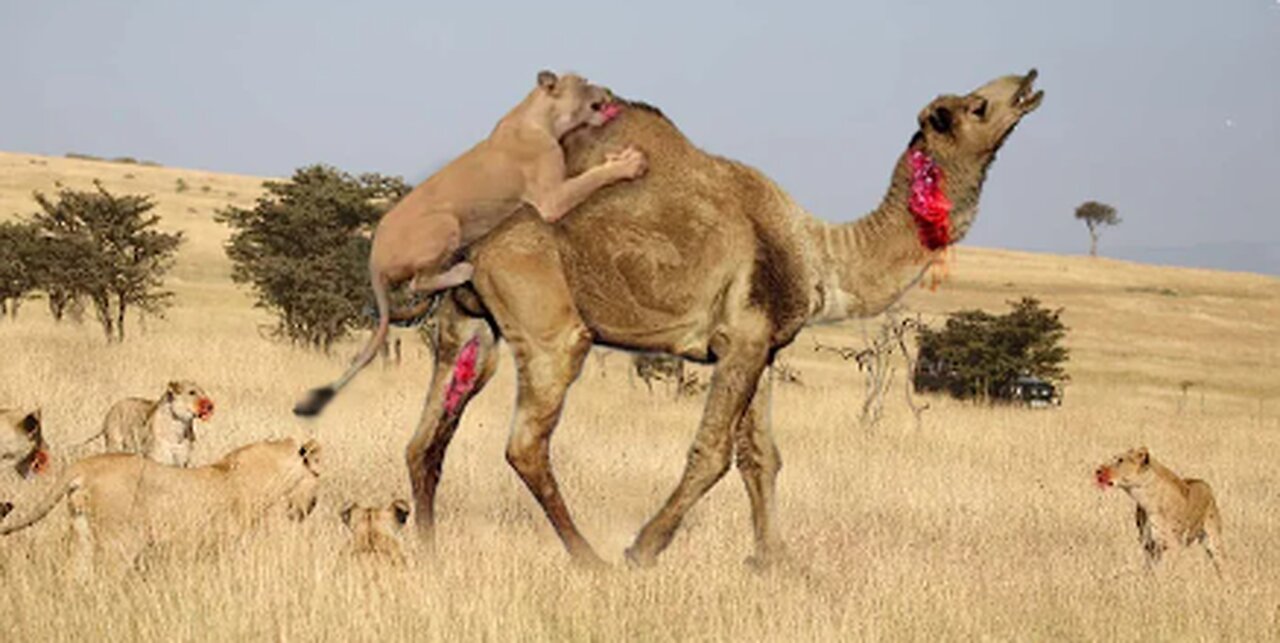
(555, 196)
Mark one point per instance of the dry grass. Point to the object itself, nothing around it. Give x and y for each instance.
(982, 525)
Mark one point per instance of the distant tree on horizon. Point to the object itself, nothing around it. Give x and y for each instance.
(106, 249)
(1095, 215)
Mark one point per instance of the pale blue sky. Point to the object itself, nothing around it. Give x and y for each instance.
(1168, 109)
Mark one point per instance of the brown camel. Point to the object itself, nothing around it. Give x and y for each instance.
(704, 258)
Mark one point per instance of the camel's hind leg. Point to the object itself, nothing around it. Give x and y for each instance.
(741, 359)
(454, 382)
(759, 462)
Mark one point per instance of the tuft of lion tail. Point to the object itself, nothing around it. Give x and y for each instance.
(318, 398)
(69, 482)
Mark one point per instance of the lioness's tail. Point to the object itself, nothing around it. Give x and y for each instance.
(317, 398)
(70, 482)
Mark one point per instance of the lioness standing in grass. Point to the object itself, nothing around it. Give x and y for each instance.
(121, 503)
(161, 429)
(376, 532)
(520, 162)
(1171, 511)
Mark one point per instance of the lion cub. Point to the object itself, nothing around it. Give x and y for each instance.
(521, 162)
(1171, 511)
(376, 532)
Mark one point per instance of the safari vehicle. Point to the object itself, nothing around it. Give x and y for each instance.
(1031, 391)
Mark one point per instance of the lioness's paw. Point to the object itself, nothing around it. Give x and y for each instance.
(629, 163)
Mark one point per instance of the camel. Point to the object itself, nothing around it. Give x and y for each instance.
(704, 258)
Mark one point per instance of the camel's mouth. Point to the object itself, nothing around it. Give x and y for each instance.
(1025, 99)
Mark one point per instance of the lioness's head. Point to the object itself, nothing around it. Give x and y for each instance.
(1129, 469)
(22, 444)
(376, 530)
(977, 124)
(280, 470)
(573, 102)
(187, 400)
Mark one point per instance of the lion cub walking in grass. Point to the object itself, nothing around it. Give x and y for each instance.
(521, 162)
(1172, 511)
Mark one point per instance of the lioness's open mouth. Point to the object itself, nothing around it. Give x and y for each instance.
(608, 109)
(204, 408)
(1024, 99)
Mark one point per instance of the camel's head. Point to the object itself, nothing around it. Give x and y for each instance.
(573, 102)
(1126, 470)
(977, 124)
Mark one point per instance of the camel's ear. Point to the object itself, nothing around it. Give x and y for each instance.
(1144, 457)
(940, 119)
(401, 510)
(346, 513)
(547, 80)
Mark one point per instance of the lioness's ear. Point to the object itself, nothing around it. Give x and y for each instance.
(31, 423)
(346, 513)
(310, 453)
(547, 80)
(5, 508)
(401, 509)
(175, 387)
(1144, 458)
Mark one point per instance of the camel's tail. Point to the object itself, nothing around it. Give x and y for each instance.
(69, 483)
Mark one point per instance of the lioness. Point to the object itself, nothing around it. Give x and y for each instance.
(22, 442)
(1171, 511)
(122, 503)
(163, 429)
(520, 162)
(376, 531)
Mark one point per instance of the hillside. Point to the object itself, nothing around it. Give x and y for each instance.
(982, 524)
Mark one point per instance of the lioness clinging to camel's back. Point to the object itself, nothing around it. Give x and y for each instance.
(1172, 511)
(162, 429)
(121, 503)
(520, 162)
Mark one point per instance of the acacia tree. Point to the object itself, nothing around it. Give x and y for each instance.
(304, 250)
(977, 354)
(18, 277)
(106, 249)
(1096, 215)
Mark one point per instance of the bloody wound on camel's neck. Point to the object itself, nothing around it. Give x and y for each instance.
(930, 208)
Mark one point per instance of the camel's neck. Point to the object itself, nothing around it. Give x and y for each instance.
(868, 264)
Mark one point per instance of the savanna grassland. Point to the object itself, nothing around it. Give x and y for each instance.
(984, 523)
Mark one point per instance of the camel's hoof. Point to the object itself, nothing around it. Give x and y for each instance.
(316, 400)
(637, 560)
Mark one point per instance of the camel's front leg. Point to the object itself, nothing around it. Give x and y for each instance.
(741, 359)
(466, 357)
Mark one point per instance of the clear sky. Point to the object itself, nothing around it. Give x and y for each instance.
(1167, 109)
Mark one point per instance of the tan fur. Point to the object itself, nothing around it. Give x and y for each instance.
(704, 258)
(376, 532)
(521, 162)
(162, 429)
(1172, 512)
(122, 503)
(21, 442)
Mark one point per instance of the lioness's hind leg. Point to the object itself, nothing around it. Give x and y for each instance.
(1212, 538)
(458, 274)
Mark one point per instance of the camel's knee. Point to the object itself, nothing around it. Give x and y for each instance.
(527, 455)
(712, 458)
